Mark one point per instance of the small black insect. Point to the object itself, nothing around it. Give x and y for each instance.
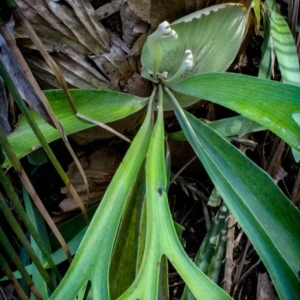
(159, 190)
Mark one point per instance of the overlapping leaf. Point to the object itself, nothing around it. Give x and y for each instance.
(196, 32)
(268, 218)
(161, 235)
(99, 239)
(114, 106)
(55, 22)
(266, 102)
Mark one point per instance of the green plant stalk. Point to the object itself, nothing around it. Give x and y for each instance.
(201, 285)
(161, 235)
(145, 286)
(20, 234)
(25, 180)
(38, 133)
(157, 151)
(10, 275)
(14, 257)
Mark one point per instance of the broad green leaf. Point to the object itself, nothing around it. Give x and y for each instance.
(99, 239)
(266, 102)
(192, 44)
(102, 105)
(296, 153)
(269, 219)
(285, 49)
(145, 285)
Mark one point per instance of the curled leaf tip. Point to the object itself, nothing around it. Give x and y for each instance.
(164, 31)
(187, 64)
(189, 60)
(163, 76)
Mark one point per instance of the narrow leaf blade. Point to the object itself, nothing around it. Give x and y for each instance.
(268, 218)
(266, 102)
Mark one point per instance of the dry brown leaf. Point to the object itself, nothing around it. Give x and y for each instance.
(21, 81)
(137, 85)
(4, 123)
(137, 47)
(99, 167)
(76, 28)
(130, 21)
(265, 290)
(86, 14)
(278, 173)
(114, 65)
(108, 9)
(69, 205)
(47, 31)
(141, 8)
(171, 10)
